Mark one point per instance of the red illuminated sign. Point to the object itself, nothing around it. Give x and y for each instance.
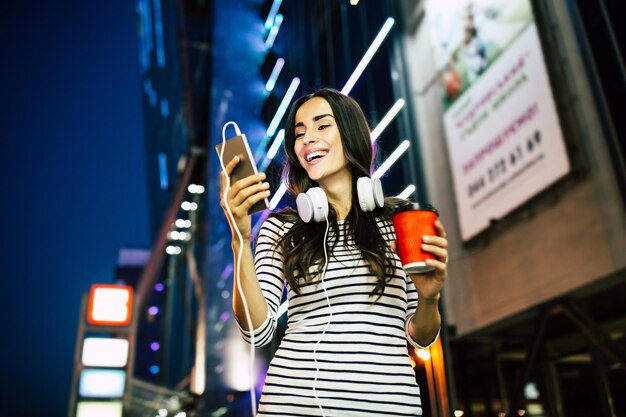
(110, 305)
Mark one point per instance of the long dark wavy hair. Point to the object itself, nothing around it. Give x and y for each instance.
(303, 244)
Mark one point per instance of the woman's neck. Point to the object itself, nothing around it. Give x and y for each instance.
(339, 195)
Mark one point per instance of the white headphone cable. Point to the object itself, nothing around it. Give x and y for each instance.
(330, 316)
(238, 267)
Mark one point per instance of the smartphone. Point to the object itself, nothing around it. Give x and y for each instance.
(238, 146)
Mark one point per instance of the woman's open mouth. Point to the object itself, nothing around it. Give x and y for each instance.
(315, 155)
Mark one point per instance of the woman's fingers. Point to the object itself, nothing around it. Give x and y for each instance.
(438, 264)
(247, 187)
(436, 240)
(438, 251)
(253, 199)
(441, 231)
(437, 245)
(241, 190)
(244, 183)
(241, 183)
(250, 195)
(248, 181)
(228, 170)
(232, 164)
(439, 240)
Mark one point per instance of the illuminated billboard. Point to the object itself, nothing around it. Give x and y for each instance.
(503, 135)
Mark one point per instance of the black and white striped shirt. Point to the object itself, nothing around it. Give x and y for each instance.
(354, 360)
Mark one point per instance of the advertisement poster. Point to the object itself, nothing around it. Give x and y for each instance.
(502, 130)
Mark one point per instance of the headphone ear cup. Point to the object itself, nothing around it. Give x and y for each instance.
(305, 207)
(379, 197)
(370, 193)
(312, 205)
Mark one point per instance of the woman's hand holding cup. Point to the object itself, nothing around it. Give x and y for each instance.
(422, 247)
(429, 284)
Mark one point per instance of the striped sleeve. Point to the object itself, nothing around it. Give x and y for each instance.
(268, 263)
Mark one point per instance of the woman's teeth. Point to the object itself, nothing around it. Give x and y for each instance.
(314, 155)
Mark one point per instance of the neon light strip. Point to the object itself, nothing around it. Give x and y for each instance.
(158, 32)
(272, 14)
(276, 144)
(263, 165)
(368, 56)
(271, 37)
(395, 155)
(278, 195)
(278, 140)
(145, 33)
(406, 193)
(395, 109)
(165, 107)
(283, 107)
(280, 112)
(227, 271)
(271, 81)
(163, 171)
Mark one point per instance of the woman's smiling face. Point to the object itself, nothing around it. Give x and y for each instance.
(318, 143)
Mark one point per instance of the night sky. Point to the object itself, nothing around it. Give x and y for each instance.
(73, 182)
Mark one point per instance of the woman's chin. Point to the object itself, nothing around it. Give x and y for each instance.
(315, 174)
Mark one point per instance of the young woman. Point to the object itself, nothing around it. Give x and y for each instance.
(351, 308)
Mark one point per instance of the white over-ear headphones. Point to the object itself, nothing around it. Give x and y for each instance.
(313, 205)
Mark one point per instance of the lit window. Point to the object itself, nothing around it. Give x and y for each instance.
(105, 352)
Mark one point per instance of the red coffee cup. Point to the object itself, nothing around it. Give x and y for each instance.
(411, 222)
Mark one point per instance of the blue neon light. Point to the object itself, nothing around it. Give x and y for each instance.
(163, 171)
(272, 14)
(278, 141)
(282, 108)
(378, 40)
(158, 32)
(271, 81)
(145, 33)
(276, 145)
(150, 91)
(271, 37)
(165, 107)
